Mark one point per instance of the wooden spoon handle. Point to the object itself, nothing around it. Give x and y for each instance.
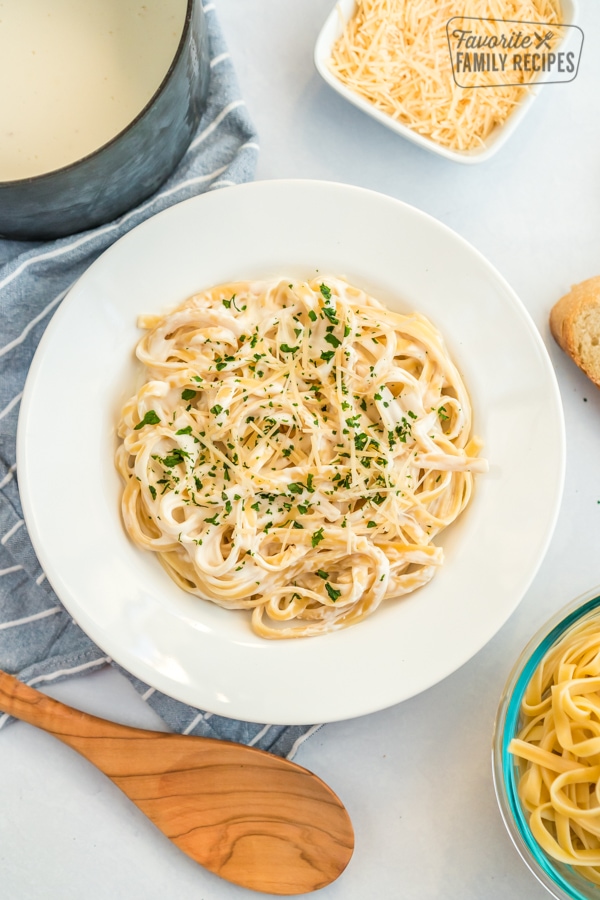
(35, 708)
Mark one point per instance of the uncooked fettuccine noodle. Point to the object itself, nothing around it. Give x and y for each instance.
(294, 451)
(559, 746)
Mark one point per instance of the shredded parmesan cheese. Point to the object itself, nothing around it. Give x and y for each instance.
(396, 55)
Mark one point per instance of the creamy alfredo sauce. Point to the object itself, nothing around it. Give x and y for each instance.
(74, 73)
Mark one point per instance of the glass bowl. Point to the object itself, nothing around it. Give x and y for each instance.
(562, 881)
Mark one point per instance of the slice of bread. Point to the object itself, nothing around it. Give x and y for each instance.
(575, 326)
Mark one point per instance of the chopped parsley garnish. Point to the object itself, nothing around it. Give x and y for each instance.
(312, 315)
(216, 409)
(285, 348)
(296, 487)
(186, 430)
(326, 291)
(188, 394)
(322, 574)
(331, 339)
(151, 418)
(175, 457)
(214, 520)
(371, 524)
(152, 490)
(332, 592)
(231, 302)
(327, 355)
(317, 537)
(403, 430)
(361, 440)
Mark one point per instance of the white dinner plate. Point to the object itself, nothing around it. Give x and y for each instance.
(85, 369)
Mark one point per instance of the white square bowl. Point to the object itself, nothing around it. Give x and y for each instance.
(332, 30)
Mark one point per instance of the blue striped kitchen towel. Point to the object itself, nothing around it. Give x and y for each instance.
(39, 641)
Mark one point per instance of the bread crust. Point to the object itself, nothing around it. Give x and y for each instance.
(569, 323)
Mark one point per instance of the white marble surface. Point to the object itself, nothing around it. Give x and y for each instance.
(415, 778)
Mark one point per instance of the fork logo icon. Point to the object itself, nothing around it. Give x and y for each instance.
(543, 40)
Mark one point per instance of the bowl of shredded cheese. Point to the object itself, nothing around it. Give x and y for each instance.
(546, 752)
(394, 60)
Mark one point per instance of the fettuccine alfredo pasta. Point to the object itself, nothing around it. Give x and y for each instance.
(294, 450)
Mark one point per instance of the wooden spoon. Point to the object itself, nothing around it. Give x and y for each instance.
(254, 819)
